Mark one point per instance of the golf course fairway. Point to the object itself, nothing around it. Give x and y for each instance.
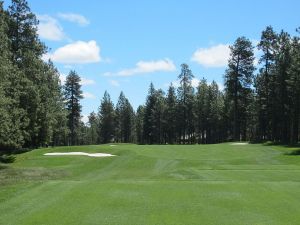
(219, 184)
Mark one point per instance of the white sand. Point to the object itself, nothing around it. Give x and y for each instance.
(239, 143)
(80, 153)
(112, 145)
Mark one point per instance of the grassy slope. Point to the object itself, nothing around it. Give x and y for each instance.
(211, 184)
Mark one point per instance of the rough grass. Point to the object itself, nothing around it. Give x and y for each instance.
(219, 184)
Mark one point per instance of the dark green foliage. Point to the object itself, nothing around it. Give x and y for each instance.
(106, 115)
(171, 106)
(263, 84)
(7, 158)
(238, 81)
(37, 111)
(201, 109)
(185, 105)
(92, 129)
(148, 123)
(73, 94)
(32, 109)
(293, 88)
(139, 125)
(124, 120)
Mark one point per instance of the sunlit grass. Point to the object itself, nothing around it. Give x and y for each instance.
(171, 184)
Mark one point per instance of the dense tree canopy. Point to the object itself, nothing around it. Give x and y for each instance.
(257, 104)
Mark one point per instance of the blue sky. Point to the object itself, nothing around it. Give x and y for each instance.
(124, 45)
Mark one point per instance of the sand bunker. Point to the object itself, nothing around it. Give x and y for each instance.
(112, 145)
(239, 143)
(80, 153)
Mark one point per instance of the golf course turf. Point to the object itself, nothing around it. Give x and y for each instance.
(220, 184)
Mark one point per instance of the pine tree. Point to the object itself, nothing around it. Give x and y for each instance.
(201, 110)
(215, 105)
(73, 94)
(281, 97)
(12, 118)
(92, 131)
(106, 115)
(37, 81)
(158, 118)
(263, 84)
(185, 104)
(238, 81)
(148, 123)
(139, 125)
(293, 85)
(124, 120)
(171, 115)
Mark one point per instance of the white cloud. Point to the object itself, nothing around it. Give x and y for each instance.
(176, 83)
(78, 52)
(114, 83)
(215, 56)
(141, 67)
(85, 118)
(88, 95)
(75, 18)
(85, 81)
(195, 83)
(62, 78)
(68, 66)
(49, 28)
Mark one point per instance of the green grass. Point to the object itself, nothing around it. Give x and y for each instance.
(218, 184)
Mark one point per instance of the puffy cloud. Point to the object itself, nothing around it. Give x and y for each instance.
(74, 18)
(78, 52)
(215, 56)
(62, 78)
(85, 81)
(195, 83)
(49, 28)
(142, 67)
(88, 95)
(114, 83)
(85, 118)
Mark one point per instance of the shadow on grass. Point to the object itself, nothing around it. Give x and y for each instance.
(293, 153)
(2, 167)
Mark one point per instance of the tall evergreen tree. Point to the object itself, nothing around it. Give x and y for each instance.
(93, 126)
(201, 109)
(24, 45)
(171, 121)
(124, 120)
(158, 118)
(148, 123)
(281, 76)
(73, 95)
(263, 84)
(293, 83)
(139, 125)
(13, 119)
(238, 81)
(214, 114)
(106, 115)
(185, 104)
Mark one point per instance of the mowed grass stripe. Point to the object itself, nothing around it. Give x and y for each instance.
(172, 184)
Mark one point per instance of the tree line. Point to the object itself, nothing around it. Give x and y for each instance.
(259, 102)
(32, 110)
